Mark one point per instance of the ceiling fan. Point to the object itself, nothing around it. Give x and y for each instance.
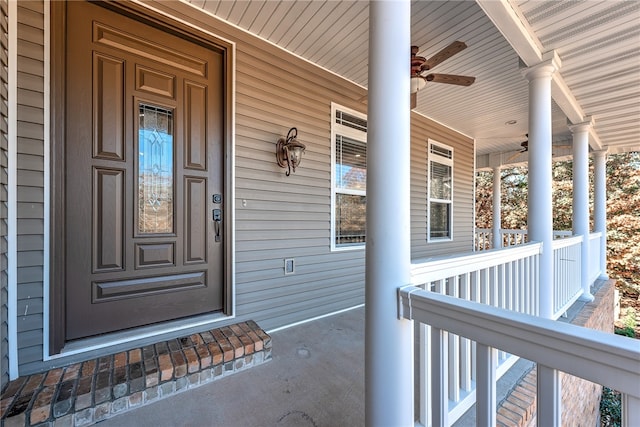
(420, 65)
(525, 147)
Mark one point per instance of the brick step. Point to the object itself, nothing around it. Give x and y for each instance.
(88, 392)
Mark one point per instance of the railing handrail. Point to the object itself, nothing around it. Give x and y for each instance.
(599, 357)
(592, 234)
(502, 230)
(432, 269)
(566, 242)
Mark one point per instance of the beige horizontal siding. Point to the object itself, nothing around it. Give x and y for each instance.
(422, 130)
(30, 190)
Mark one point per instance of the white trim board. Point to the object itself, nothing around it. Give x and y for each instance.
(46, 262)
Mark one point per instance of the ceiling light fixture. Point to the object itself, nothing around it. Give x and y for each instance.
(417, 83)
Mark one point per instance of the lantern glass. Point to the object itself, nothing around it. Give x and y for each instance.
(417, 83)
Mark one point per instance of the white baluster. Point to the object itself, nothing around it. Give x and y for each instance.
(630, 411)
(425, 374)
(454, 351)
(465, 343)
(439, 383)
(486, 386)
(549, 394)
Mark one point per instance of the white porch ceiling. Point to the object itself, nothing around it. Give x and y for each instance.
(598, 43)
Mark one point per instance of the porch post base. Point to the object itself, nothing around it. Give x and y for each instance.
(586, 297)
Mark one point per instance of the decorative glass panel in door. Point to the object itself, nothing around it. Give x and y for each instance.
(155, 170)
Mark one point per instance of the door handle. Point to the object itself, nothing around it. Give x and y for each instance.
(217, 220)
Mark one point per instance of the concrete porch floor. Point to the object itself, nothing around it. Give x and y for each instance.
(315, 378)
(312, 375)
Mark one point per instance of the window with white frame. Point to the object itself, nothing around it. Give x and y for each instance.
(348, 177)
(439, 192)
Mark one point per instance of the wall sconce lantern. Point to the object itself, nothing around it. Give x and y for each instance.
(289, 151)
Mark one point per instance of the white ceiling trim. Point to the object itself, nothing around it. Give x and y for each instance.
(521, 37)
(514, 30)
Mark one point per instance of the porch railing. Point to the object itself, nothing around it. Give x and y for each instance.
(567, 261)
(599, 357)
(510, 237)
(505, 278)
(566, 264)
(595, 243)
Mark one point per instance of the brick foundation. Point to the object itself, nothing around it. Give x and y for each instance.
(89, 392)
(580, 398)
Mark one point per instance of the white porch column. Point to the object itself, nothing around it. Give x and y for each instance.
(540, 214)
(581, 199)
(388, 340)
(540, 217)
(497, 208)
(600, 206)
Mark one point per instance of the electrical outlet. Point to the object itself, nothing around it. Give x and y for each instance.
(289, 266)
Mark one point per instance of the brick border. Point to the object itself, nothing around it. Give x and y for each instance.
(519, 407)
(88, 392)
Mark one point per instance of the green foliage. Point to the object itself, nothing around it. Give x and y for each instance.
(625, 332)
(610, 408)
(628, 321)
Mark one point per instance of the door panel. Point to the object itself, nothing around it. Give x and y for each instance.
(108, 224)
(195, 220)
(144, 152)
(108, 107)
(155, 255)
(195, 137)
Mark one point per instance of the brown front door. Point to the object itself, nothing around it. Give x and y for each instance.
(144, 174)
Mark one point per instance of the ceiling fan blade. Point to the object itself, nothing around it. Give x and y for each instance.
(444, 54)
(414, 100)
(451, 79)
(514, 155)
